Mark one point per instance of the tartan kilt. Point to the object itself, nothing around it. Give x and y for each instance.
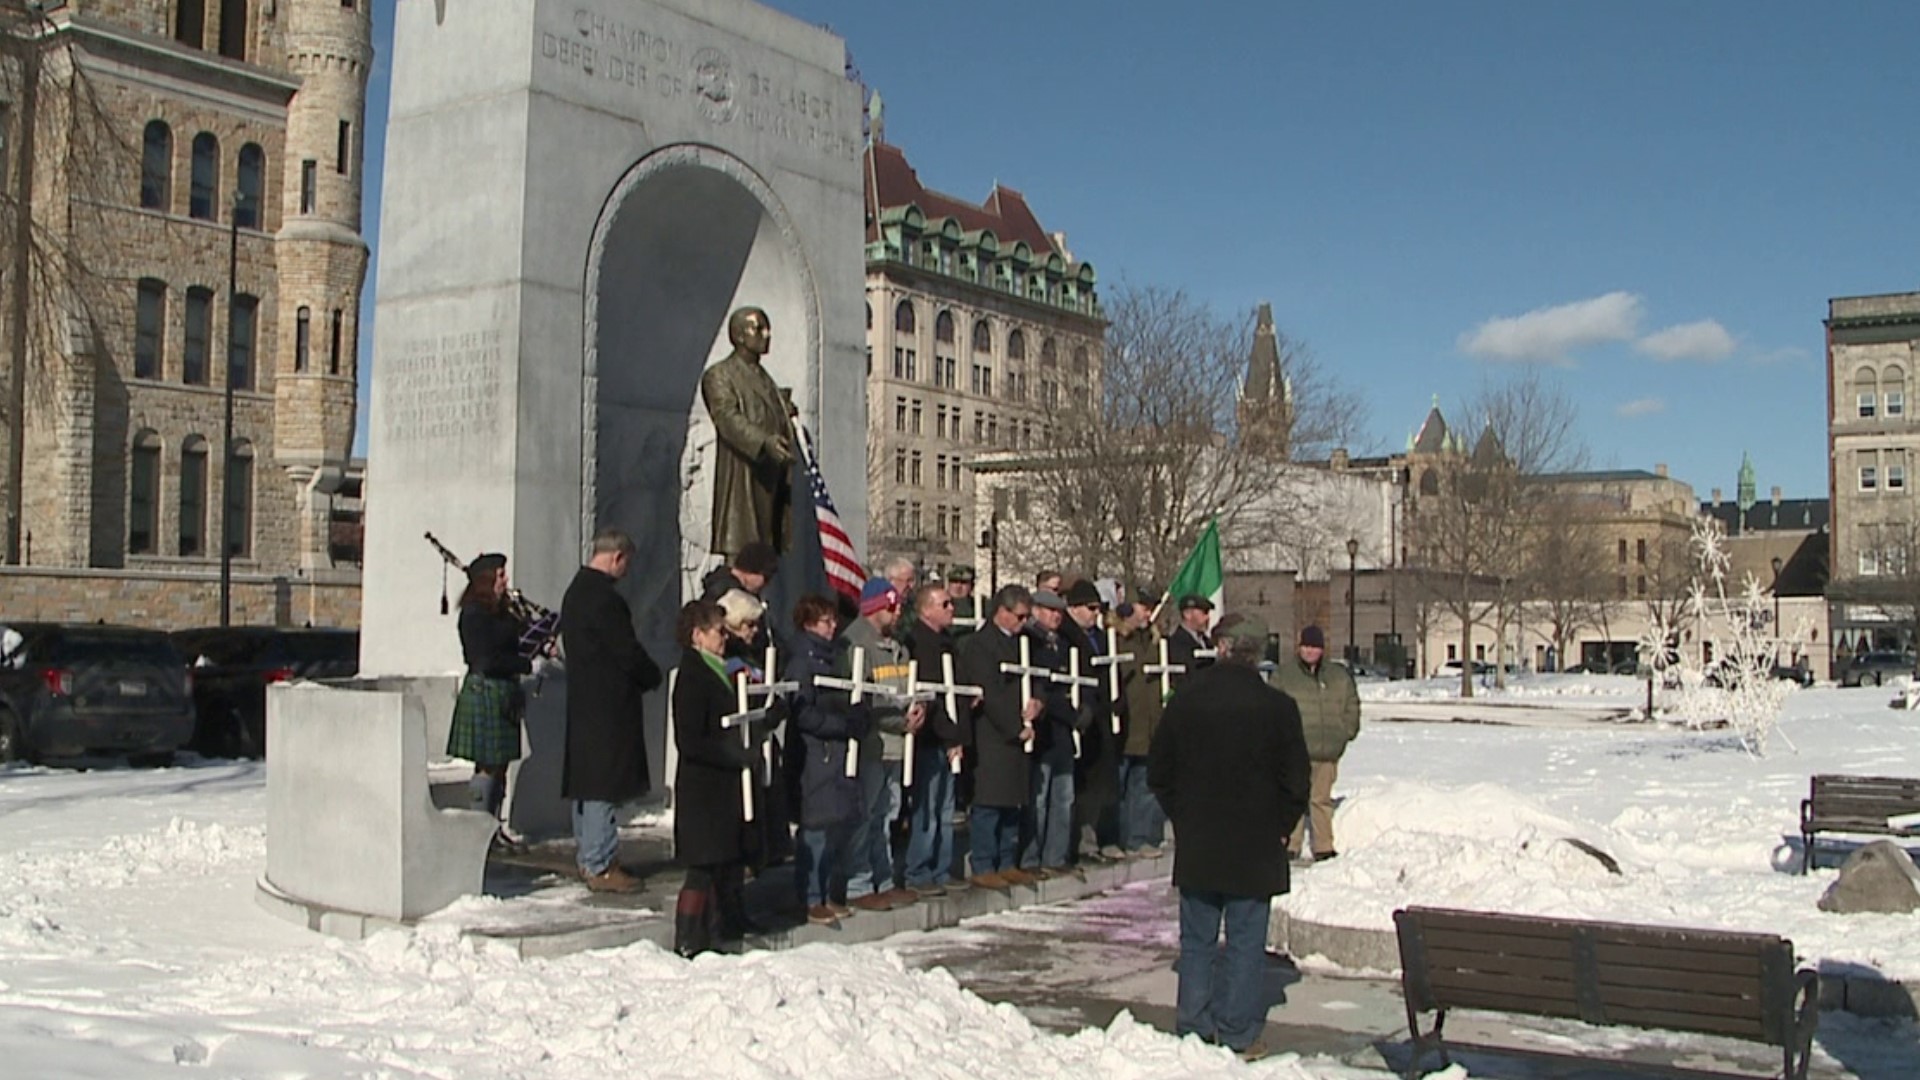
(486, 720)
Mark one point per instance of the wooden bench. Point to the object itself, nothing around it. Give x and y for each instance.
(1710, 982)
(1855, 804)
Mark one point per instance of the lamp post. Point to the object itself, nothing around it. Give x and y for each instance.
(1776, 608)
(226, 421)
(991, 541)
(1353, 596)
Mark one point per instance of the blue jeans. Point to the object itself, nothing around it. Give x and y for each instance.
(930, 848)
(870, 846)
(595, 836)
(996, 836)
(1225, 1002)
(1049, 833)
(1141, 822)
(819, 858)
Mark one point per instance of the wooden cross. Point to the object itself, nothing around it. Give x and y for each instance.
(946, 686)
(857, 687)
(1111, 661)
(1074, 681)
(1164, 670)
(1027, 673)
(743, 718)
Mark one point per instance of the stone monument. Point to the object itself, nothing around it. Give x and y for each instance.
(576, 194)
(576, 197)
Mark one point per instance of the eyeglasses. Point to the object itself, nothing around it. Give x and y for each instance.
(946, 603)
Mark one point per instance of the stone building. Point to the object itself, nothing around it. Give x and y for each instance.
(1782, 544)
(194, 195)
(1873, 345)
(979, 322)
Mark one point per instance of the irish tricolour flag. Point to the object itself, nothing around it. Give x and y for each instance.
(1201, 574)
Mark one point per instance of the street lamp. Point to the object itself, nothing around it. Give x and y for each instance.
(1353, 555)
(990, 539)
(1776, 608)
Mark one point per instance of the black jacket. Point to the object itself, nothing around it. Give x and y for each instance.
(1000, 776)
(1229, 766)
(825, 723)
(1053, 731)
(1096, 778)
(607, 673)
(926, 646)
(490, 642)
(709, 824)
(1181, 645)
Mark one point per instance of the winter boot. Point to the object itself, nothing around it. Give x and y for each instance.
(692, 934)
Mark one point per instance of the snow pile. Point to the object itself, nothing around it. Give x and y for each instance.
(32, 880)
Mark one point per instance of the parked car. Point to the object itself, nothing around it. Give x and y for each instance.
(234, 665)
(1452, 667)
(69, 690)
(1875, 668)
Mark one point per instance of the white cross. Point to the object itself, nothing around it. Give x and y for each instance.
(743, 719)
(857, 687)
(1111, 661)
(1164, 670)
(1074, 681)
(971, 622)
(1027, 673)
(953, 692)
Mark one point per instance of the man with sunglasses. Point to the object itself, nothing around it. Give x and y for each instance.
(1002, 726)
(935, 747)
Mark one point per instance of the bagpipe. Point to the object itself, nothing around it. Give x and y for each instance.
(539, 626)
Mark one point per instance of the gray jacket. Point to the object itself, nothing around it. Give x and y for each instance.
(886, 663)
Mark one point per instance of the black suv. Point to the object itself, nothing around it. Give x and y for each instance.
(233, 666)
(68, 690)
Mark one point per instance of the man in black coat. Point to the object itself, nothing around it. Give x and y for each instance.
(1190, 636)
(1229, 765)
(607, 673)
(1096, 775)
(1001, 728)
(937, 746)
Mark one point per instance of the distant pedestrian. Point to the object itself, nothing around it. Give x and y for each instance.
(1229, 764)
(1330, 714)
(488, 713)
(608, 671)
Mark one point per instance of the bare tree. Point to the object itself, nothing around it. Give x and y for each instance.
(1136, 459)
(1477, 508)
(1564, 572)
(66, 158)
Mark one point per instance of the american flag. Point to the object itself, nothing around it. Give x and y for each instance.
(844, 572)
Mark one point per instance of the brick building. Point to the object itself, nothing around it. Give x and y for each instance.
(191, 170)
(978, 322)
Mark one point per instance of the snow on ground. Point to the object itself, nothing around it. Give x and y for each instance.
(1705, 834)
(130, 945)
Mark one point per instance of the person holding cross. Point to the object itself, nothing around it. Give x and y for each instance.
(1096, 773)
(1142, 825)
(711, 833)
(1059, 735)
(870, 884)
(1002, 731)
(1229, 763)
(827, 727)
(938, 746)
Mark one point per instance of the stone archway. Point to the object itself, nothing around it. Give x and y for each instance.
(688, 234)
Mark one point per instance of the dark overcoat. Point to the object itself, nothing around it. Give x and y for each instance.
(1096, 775)
(709, 825)
(608, 672)
(1000, 760)
(824, 724)
(1229, 766)
(926, 646)
(1053, 731)
(1181, 645)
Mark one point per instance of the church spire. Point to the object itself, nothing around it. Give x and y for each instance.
(1265, 414)
(1744, 493)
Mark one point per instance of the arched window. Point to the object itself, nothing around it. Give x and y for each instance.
(199, 320)
(1016, 346)
(250, 183)
(193, 496)
(903, 317)
(1048, 358)
(982, 337)
(1429, 483)
(204, 195)
(143, 494)
(943, 328)
(240, 341)
(156, 167)
(149, 329)
(237, 500)
(1866, 392)
(1081, 366)
(1893, 391)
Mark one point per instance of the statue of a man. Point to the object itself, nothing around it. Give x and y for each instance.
(754, 454)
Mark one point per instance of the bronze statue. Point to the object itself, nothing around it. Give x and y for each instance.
(754, 454)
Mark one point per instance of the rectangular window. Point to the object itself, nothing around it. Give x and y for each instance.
(899, 466)
(913, 471)
(149, 329)
(143, 510)
(1866, 404)
(913, 365)
(334, 341)
(940, 421)
(916, 417)
(980, 427)
(309, 180)
(1869, 562)
(1896, 403)
(899, 363)
(1640, 585)
(1640, 552)
(899, 414)
(1623, 552)
(1620, 586)
(1896, 477)
(193, 502)
(900, 517)
(190, 23)
(1869, 478)
(343, 148)
(240, 342)
(302, 339)
(233, 29)
(199, 319)
(914, 520)
(239, 506)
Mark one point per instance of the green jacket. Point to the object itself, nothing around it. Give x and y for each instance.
(1329, 704)
(1140, 693)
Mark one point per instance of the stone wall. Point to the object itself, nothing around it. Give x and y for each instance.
(177, 601)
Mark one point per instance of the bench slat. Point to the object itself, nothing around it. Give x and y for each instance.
(1446, 984)
(1493, 1002)
(1438, 923)
(1502, 944)
(1709, 1025)
(1747, 964)
(1533, 967)
(1681, 1003)
(1691, 980)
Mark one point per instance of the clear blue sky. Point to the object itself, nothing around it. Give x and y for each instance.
(1673, 189)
